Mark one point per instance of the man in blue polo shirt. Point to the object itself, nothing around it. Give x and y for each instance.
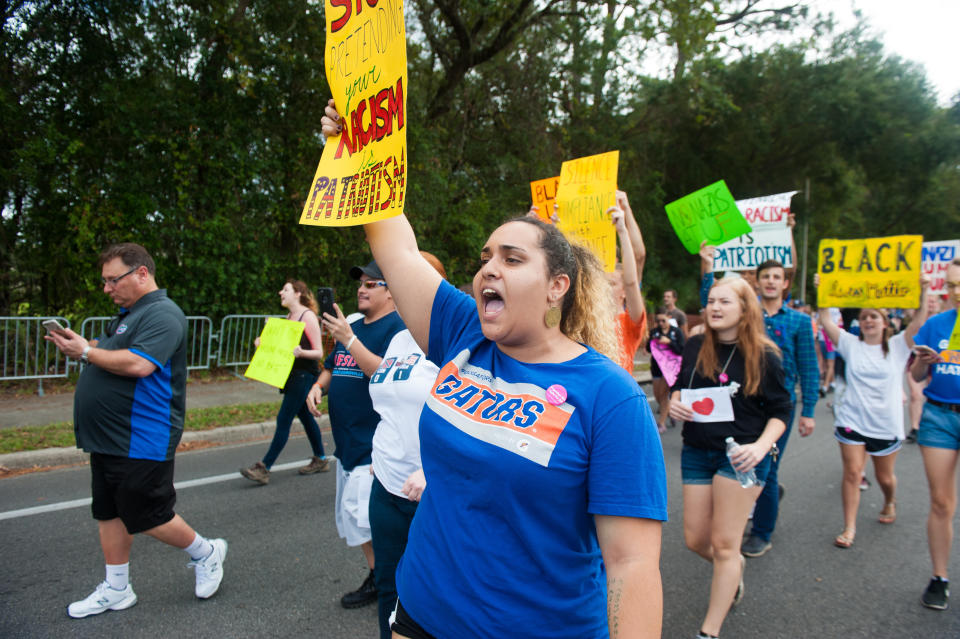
(128, 414)
(939, 433)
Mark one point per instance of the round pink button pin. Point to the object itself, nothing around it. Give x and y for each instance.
(556, 394)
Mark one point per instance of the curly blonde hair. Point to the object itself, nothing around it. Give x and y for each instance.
(588, 311)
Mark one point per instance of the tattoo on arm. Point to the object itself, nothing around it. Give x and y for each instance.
(614, 602)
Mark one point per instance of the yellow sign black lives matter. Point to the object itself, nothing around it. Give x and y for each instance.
(876, 272)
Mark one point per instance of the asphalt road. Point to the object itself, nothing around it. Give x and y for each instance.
(286, 569)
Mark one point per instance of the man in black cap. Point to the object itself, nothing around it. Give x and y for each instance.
(362, 339)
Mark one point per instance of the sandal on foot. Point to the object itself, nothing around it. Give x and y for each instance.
(845, 539)
(889, 513)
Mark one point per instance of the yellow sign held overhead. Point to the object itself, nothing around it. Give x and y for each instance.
(954, 343)
(362, 175)
(876, 272)
(273, 360)
(588, 187)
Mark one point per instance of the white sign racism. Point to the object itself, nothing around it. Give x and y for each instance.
(769, 238)
(936, 259)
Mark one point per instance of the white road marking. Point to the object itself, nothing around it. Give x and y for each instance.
(79, 503)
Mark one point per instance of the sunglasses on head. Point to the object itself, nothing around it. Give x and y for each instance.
(373, 284)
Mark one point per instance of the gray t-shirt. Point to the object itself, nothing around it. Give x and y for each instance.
(679, 317)
(137, 417)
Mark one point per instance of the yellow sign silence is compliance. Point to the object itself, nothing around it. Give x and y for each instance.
(588, 187)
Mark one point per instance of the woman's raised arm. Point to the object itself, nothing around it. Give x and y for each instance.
(413, 283)
(411, 280)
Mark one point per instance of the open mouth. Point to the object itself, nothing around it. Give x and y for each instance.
(492, 302)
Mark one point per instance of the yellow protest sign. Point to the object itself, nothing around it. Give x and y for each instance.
(877, 272)
(362, 175)
(273, 360)
(543, 194)
(954, 343)
(588, 187)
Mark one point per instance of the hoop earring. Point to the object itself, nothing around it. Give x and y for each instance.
(552, 317)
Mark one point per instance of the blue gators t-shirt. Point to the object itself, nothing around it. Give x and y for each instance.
(945, 381)
(504, 542)
(352, 418)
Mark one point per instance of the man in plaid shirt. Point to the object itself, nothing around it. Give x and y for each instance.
(792, 331)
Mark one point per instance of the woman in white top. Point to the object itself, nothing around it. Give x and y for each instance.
(869, 420)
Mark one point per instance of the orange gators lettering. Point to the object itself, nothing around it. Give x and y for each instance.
(950, 357)
(520, 412)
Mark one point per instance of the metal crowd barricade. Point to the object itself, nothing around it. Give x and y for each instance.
(199, 337)
(26, 355)
(235, 340)
(199, 342)
(95, 327)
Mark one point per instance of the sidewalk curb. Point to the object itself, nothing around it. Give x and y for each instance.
(70, 455)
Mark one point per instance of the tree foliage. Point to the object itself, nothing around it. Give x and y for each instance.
(193, 128)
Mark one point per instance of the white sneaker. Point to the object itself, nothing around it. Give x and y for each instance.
(102, 599)
(209, 571)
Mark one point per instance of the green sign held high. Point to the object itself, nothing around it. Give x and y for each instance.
(709, 214)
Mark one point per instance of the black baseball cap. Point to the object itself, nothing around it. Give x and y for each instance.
(371, 270)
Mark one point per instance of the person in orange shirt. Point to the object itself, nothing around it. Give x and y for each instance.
(625, 281)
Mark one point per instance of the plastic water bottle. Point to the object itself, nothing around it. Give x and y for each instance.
(746, 479)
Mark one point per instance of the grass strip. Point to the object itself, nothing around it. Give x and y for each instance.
(15, 440)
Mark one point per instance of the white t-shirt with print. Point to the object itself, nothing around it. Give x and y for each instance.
(873, 401)
(398, 390)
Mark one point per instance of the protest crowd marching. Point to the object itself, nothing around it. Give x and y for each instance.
(428, 388)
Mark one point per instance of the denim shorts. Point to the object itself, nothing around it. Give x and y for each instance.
(699, 465)
(939, 428)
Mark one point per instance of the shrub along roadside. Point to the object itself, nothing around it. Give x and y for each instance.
(15, 440)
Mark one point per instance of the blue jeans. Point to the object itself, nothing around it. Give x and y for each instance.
(295, 404)
(939, 428)
(699, 465)
(390, 519)
(768, 503)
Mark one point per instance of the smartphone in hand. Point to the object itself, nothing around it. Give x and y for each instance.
(325, 301)
(922, 349)
(53, 325)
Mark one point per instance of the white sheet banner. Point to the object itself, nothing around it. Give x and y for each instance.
(936, 259)
(769, 238)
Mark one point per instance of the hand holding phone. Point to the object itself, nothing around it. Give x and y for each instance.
(926, 352)
(53, 325)
(325, 301)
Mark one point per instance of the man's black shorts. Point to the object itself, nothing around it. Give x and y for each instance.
(138, 491)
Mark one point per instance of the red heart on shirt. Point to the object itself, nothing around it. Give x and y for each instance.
(704, 406)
